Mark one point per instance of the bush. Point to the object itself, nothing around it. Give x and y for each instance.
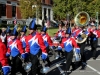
(3, 25)
(11, 25)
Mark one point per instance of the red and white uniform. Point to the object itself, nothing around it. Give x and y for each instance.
(3, 58)
(89, 29)
(76, 32)
(60, 33)
(23, 40)
(3, 50)
(15, 48)
(98, 32)
(35, 43)
(68, 44)
(95, 32)
(47, 40)
(8, 39)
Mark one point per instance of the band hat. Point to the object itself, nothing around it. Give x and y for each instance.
(32, 25)
(14, 32)
(44, 29)
(68, 31)
(24, 29)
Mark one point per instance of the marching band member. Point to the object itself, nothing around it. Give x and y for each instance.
(94, 40)
(8, 31)
(59, 36)
(82, 46)
(3, 35)
(3, 59)
(47, 41)
(23, 36)
(77, 35)
(76, 31)
(98, 31)
(15, 50)
(23, 40)
(46, 38)
(64, 28)
(88, 29)
(60, 33)
(35, 45)
(68, 44)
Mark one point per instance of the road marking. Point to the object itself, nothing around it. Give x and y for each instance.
(61, 71)
(98, 44)
(91, 68)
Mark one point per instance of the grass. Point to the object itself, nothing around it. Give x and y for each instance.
(50, 31)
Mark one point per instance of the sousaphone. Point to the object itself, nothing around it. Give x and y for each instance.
(82, 20)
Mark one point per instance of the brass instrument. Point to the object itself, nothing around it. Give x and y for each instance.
(81, 20)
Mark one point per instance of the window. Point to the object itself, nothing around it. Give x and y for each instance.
(45, 16)
(51, 1)
(49, 13)
(3, 9)
(8, 2)
(43, 1)
(13, 11)
(17, 3)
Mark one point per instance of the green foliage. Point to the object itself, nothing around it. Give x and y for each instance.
(63, 7)
(27, 10)
(3, 25)
(51, 31)
(59, 8)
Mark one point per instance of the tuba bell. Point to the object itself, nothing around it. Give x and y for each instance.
(81, 20)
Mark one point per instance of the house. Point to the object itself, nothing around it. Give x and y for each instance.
(10, 10)
(47, 9)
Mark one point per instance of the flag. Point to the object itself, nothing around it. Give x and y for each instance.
(15, 21)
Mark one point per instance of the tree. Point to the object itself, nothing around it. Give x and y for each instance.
(59, 8)
(26, 8)
(73, 7)
(93, 7)
(63, 7)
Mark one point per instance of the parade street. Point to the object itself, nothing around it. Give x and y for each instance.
(92, 67)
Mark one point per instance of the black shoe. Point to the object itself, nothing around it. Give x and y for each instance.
(94, 58)
(49, 64)
(79, 63)
(91, 50)
(72, 69)
(83, 67)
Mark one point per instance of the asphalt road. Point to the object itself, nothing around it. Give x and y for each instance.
(92, 66)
